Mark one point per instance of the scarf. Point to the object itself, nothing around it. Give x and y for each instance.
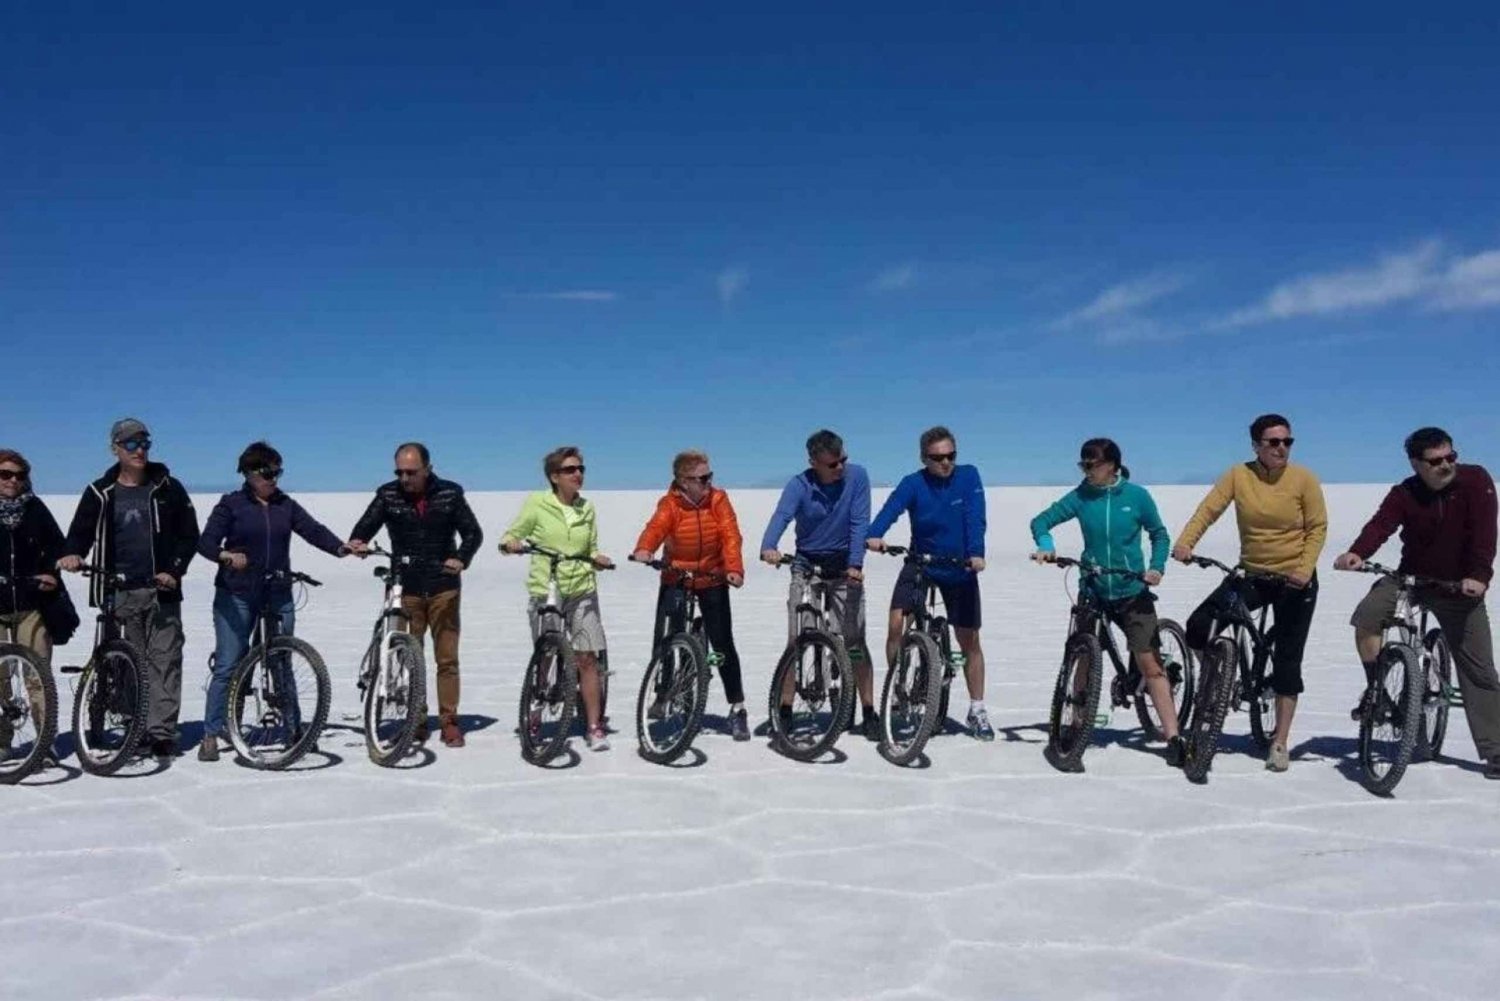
(12, 509)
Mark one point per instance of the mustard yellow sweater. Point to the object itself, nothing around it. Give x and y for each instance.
(1283, 521)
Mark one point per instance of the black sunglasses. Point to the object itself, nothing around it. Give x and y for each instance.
(135, 444)
(579, 469)
(1087, 464)
(705, 479)
(268, 472)
(1451, 459)
(402, 474)
(835, 463)
(11, 474)
(941, 456)
(1274, 442)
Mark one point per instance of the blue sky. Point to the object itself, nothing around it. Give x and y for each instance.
(644, 227)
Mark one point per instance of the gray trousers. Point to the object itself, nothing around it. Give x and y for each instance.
(156, 631)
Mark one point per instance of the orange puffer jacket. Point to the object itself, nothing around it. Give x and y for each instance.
(701, 537)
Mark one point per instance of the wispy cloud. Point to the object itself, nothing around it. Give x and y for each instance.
(1124, 300)
(731, 282)
(1470, 283)
(575, 295)
(893, 279)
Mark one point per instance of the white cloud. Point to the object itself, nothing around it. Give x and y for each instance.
(1123, 300)
(731, 282)
(1469, 283)
(894, 279)
(1139, 330)
(577, 295)
(1393, 278)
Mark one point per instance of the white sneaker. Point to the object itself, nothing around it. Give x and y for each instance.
(597, 739)
(1277, 759)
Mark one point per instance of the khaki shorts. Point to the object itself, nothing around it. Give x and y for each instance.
(846, 606)
(1136, 618)
(581, 619)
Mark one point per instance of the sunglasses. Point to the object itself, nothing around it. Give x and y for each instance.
(835, 463)
(135, 444)
(268, 472)
(11, 474)
(568, 470)
(940, 456)
(1276, 442)
(705, 479)
(1451, 459)
(1087, 464)
(402, 474)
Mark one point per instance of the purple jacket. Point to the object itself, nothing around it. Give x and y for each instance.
(263, 532)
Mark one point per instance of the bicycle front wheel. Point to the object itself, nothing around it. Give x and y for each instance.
(1216, 681)
(1437, 694)
(1075, 698)
(278, 703)
(1182, 676)
(109, 708)
(812, 693)
(1391, 718)
(395, 700)
(910, 698)
(547, 699)
(669, 708)
(28, 712)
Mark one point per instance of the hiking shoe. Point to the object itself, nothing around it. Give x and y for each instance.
(658, 709)
(784, 718)
(1492, 769)
(739, 724)
(873, 730)
(209, 749)
(1177, 751)
(979, 725)
(597, 739)
(1277, 759)
(452, 735)
(164, 747)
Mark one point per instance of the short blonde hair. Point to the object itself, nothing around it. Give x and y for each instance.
(553, 460)
(686, 460)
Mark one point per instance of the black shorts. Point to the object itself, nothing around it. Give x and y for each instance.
(961, 599)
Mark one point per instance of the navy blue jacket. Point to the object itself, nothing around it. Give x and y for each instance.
(263, 532)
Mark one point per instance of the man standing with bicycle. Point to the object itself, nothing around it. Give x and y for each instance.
(139, 522)
(945, 502)
(830, 503)
(422, 514)
(1446, 513)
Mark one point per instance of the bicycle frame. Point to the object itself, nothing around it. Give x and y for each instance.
(393, 619)
(814, 610)
(1244, 625)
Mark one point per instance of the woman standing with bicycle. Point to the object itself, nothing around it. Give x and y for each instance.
(1283, 524)
(698, 525)
(249, 534)
(1112, 514)
(562, 520)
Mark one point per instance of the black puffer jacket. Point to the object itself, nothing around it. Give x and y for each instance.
(428, 538)
(33, 547)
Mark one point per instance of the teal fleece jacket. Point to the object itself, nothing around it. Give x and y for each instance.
(1112, 519)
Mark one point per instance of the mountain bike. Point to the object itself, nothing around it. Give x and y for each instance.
(28, 703)
(674, 690)
(279, 691)
(1075, 698)
(1235, 669)
(813, 672)
(549, 691)
(114, 690)
(393, 674)
(914, 701)
(1405, 710)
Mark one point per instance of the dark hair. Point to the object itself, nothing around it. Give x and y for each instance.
(417, 447)
(257, 455)
(1103, 450)
(933, 435)
(1259, 425)
(1422, 439)
(824, 442)
(553, 460)
(11, 455)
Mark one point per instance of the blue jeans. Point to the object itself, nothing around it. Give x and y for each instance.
(234, 621)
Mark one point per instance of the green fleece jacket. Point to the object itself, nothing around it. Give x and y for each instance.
(569, 529)
(1112, 519)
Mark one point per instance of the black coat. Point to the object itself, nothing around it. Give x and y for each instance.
(174, 528)
(429, 538)
(31, 548)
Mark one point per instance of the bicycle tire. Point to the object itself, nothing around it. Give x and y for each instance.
(15, 768)
(243, 687)
(1262, 698)
(916, 681)
(1181, 675)
(833, 669)
(686, 691)
(1070, 724)
(539, 692)
(387, 746)
(1437, 669)
(131, 700)
(1216, 691)
(1403, 710)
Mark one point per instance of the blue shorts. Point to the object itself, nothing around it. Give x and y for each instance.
(960, 598)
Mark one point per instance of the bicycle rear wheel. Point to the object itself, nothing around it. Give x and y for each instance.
(1262, 699)
(395, 700)
(1075, 698)
(669, 708)
(1437, 694)
(814, 673)
(109, 708)
(909, 702)
(1177, 663)
(28, 712)
(1391, 718)
(1216, 690)
(278, 703)
(547, 699)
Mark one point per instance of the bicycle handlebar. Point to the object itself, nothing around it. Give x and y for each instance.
(1088, 569)
(1410, 579)
(926, 559)
(557, 557)
(667, 567)
(817, 570)
(387, 554)
(294, 576)
(1238, 570)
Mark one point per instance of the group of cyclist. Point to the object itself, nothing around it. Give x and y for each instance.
(139, 526)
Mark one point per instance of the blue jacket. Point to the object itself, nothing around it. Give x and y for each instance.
(947, 516)
(1112, 519)
(263, 532)
(830, 519)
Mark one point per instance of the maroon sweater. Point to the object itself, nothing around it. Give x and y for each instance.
(1448, 534)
